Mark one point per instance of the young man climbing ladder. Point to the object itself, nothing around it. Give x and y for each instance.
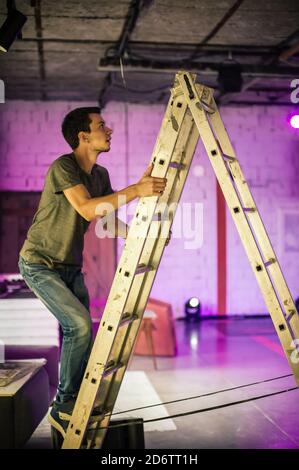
(76, 191)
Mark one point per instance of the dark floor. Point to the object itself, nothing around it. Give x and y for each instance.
(212, 355)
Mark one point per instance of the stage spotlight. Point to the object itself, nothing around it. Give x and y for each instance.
(11, 28)
(230, 78)
(192, 309)
(294, 121)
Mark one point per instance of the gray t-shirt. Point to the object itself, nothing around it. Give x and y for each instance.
(56, 235)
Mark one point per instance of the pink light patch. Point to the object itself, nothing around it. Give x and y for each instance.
(269, 344)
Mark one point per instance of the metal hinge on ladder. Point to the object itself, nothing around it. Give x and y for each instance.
(191, 113)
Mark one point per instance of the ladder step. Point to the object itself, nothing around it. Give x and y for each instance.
(157, 217)
(290, 315)
(95, 418)
(271, 261)
(229, 158)
(202, 103)
(128, 318)
(111, 368)
(142, 268)
(177, 165)
(245, 209)
(207, 107)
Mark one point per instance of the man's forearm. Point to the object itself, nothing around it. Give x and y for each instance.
(100, 206)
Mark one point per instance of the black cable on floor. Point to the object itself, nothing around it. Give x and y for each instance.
(201, 396)
(217, 407)
(202, 410)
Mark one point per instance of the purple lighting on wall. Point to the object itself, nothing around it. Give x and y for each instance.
(294, 121)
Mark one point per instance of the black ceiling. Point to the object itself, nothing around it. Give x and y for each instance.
(129, 50)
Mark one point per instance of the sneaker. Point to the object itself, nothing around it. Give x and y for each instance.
(65, 409)
(57, 420)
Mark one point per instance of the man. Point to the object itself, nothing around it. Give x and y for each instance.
(76, 191)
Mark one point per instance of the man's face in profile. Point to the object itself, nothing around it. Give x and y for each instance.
(100, 135)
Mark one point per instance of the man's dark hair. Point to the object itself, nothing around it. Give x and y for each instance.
(75, 121)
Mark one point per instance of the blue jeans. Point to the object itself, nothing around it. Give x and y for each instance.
(63, 292)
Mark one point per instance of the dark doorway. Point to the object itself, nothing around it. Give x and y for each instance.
(17, 209)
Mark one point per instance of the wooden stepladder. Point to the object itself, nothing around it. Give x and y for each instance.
(191, 113)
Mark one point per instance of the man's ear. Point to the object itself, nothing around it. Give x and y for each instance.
(83, 137)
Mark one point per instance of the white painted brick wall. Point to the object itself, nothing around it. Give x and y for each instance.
(268, 153)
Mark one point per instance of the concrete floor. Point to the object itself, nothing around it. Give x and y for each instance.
(213, 355)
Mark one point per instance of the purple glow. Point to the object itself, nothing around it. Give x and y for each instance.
(295, 121)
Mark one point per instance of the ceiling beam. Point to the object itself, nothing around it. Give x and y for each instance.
(167, 46)
(129, 25)
(279, 48)
(206, 68)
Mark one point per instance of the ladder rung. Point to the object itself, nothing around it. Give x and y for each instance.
(95, 418)
(111, 368)
(290, 315)
(271, 261)
(177, 165)
(227, 157)
(159, 216)
(205, 95)
(128, 318)
(142, 268)
(207, 107)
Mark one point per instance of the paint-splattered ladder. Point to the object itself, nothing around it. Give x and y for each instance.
(191, 113)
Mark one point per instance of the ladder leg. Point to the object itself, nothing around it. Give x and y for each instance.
(190, 113)
(256, 223)
(148, 331)
(57, 438)
(134, 276)
(246, 217)
(151, 256)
